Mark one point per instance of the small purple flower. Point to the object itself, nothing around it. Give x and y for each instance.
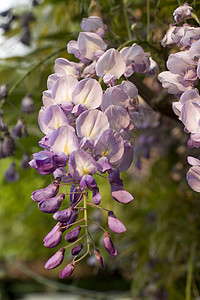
(55, 260)
(67, 271)
(108, 244)
(115, 224)
(28, 105)
(75, 194)
(77, 249)
(193, 175)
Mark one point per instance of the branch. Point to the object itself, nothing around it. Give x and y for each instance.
(161, 103)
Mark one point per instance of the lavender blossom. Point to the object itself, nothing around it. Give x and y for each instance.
(115, 224)
(51, 205)
(182, 12)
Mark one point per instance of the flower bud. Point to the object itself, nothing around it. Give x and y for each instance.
(53, 238)
(77, 249)
(115, 224)
(108, 244)
(11, 173)
(46, 193)
(63, 215)
(67, 271)
(20, 129)
(27, 105)
(55, 260)
(8, 145)
(51, 205)
(98, 257)
(73, 234)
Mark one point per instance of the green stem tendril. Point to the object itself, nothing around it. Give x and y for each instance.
(148, 21)
(126, 21)
(84, 255)
(97, 206)
(73, 223)
(194, 16)
(97, 225)
(75, 242)
(85, 197)
(21, 79)
(92, 240)
(190, 271)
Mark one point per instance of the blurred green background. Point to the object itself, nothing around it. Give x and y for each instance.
(159, 254)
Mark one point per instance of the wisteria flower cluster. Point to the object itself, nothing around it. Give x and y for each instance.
(181, 79)
(88, 133)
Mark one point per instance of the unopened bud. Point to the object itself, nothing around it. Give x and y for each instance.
(55, 260)
(63, 215)
(8, 145)
(67, 271)
(98, 257)
(77, 249)
(108, 244)
(20, 129)
(73, 234)
(11, 173)
(51, 205)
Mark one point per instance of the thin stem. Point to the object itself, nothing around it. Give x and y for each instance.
(91, 238)
(97, 206)
(21, 79)
(190, 271)
(86, 219)
(126, 21)
(148, 21)
(97, 225)
(73, 223)
(75, 242)
(84, 255)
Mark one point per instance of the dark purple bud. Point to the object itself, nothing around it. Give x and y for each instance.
(54, 237)
(73, 234)
(60, 160)
(55, 260)
(77, 249)
(24, 161)
(115, 224)
(8, 146)
(108, 244)
(20, 129)
(75, 196)
(27, 104)
(46, 193)
(98, 257)
(11, 173)
(67, 271)
(51, 205)
(63, 215)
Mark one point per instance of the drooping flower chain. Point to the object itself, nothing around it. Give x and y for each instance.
(181, 79)
(89, 131)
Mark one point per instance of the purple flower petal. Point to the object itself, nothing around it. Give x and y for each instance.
(73, 234)
(115, 224)
(55, 260)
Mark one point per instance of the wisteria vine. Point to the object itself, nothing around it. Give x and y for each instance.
(88, 116)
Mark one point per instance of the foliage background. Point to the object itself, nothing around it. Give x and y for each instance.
(159, 255)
